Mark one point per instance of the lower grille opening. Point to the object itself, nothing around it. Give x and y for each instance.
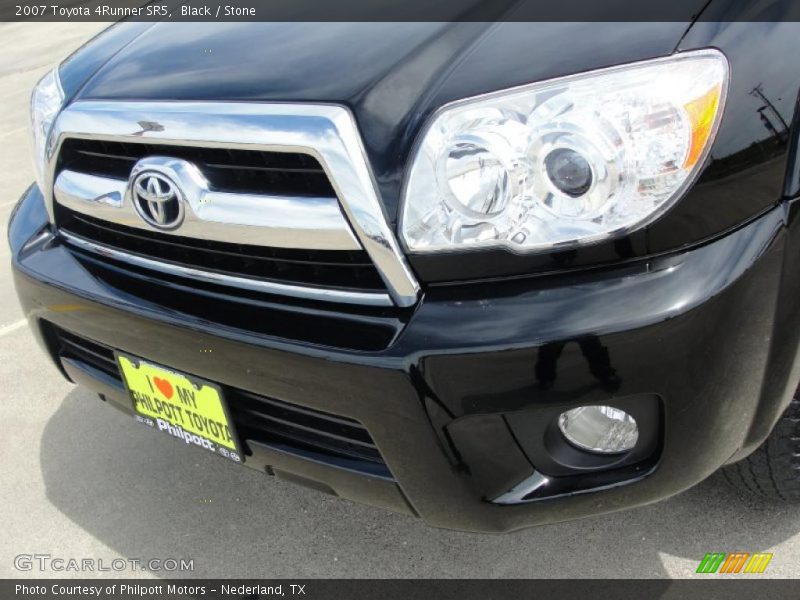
(88, 352)
(309, 433)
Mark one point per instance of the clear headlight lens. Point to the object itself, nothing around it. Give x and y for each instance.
(567, 161)
(46, 100)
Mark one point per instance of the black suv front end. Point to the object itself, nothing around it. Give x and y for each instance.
(429, 384)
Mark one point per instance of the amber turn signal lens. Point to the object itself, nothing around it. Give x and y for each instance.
(701, 114)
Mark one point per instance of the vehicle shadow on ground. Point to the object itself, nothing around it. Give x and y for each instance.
(145, 496)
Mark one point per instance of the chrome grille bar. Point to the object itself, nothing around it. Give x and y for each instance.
(276, 221)
(256, 285)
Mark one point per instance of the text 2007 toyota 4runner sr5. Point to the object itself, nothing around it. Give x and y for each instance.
(488, 274)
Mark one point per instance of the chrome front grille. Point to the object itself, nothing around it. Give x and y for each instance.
(277, 198)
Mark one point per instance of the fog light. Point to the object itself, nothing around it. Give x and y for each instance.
(601, 429)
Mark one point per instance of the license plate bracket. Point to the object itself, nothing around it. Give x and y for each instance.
(183, 406)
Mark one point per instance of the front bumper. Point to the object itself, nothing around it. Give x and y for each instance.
(455, 401)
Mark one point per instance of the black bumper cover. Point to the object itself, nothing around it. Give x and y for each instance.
(455, 403)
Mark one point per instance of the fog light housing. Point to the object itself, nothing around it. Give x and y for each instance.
(599, 429)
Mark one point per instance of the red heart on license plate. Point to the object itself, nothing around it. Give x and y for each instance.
(164, 386)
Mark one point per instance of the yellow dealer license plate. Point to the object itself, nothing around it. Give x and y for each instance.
(185, 407)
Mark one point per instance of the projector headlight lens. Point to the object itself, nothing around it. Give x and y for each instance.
(599, 429)
(564, 162)
(46, 101)
(569, 171)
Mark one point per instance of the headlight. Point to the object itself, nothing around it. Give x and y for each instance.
(46, 100)
(564, 162)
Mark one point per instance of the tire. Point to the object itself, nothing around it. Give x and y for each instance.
(773, 470)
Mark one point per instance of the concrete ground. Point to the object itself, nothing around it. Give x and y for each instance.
(79, 480)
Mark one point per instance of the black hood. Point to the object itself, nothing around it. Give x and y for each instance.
(391, 75)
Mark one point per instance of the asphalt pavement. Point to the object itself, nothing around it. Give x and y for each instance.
(80, 480)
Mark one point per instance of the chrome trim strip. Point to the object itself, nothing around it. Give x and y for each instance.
(517, 494)
(327, 132)
(269, 287)
(278, 221)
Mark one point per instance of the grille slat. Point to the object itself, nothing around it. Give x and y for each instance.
(237, 171)
(77, 348)
(242, 251)
(328, 434)
(336, 269)
(315, 441)
(95, 355)
(341, 441)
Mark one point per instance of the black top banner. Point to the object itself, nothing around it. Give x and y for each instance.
(401, 10)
